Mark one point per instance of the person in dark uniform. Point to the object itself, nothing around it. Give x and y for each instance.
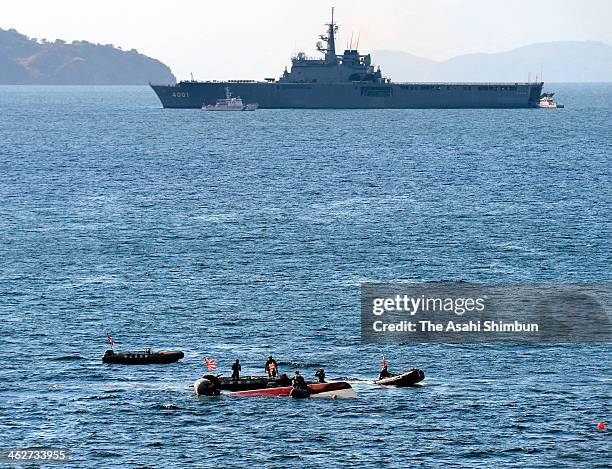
(271, 367)
(321, 375)
(384, 373)
(298, 381)
(236, 369)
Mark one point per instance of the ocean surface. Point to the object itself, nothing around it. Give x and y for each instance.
(238, 235)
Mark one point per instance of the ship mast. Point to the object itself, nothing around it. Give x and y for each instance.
(330, 50)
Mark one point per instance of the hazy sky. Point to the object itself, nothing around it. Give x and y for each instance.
(254, 39)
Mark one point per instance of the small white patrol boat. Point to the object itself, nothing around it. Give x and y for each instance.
(547, 102)
(229, 104)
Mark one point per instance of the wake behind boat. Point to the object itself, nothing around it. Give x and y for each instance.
(230, 104)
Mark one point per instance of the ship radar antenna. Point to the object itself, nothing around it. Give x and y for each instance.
(358, 36)
(330, 50)
(351, 43)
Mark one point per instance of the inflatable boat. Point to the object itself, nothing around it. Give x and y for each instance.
(410, 378)
(248, 383)
(145, 357)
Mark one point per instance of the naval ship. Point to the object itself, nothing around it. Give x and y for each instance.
(347, 81)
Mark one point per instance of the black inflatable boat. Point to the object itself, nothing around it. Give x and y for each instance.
(145, 357)
(247, 383)
(410, 378)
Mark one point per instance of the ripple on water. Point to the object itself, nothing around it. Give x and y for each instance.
(243, 236)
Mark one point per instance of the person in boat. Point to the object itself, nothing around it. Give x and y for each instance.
(321, 375)
(271, 367)
(236, 369)
(384, 373)
(298, 381)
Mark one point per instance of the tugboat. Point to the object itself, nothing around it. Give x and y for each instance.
(547, 102)
(229, 104)
(145, 357)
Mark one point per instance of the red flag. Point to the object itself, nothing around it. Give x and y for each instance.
(210, 364)
(110, 340)
(384, 361)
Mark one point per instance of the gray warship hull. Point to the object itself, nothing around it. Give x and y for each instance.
(354, 95)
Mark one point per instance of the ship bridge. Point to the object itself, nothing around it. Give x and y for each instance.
(332, 68)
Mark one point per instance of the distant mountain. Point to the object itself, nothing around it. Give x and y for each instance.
(566, 61)
(28, 61)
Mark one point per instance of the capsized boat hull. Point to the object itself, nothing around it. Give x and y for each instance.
(142, 358)
(337, 389)
(410, 378)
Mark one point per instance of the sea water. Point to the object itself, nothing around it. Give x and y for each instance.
(239, 235)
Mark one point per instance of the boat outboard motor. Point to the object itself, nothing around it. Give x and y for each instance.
(283, 380)
(297, 393)
(208, 385)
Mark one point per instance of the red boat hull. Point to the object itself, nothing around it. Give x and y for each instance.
(285, 391)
